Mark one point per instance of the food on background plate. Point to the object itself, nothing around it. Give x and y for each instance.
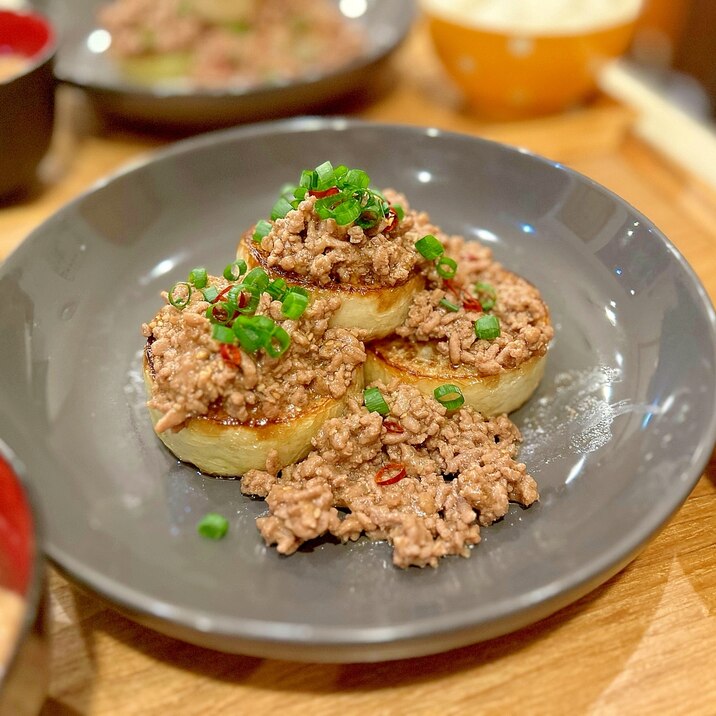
(228, 43)
(249, 371)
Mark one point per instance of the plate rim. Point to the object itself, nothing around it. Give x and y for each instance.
(275, 634)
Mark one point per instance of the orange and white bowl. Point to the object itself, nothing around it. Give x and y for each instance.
(514, 59)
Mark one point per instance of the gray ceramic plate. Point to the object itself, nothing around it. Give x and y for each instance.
(616, 436)
(82, 62)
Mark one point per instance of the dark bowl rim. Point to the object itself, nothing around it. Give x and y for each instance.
(33, 598)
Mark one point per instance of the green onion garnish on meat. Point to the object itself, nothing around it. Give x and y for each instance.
(294, 305)
(487, 327)
(374, 401)
(429, 247)
(450, 396)
(486, 294)
(234, 271)
(446, 267)
(262, 229)
(180, 295)
(198, 277)
(449, 305)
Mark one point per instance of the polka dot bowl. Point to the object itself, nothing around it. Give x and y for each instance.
(514, 75)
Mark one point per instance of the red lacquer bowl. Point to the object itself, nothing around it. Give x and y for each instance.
(23, 632)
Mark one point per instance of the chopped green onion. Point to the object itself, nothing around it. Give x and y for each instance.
(264, 324)
(487, 327)
(446, 267)
(449, 396)
(357, 178)
(429, 247)
(294, 305)
(223, 334)
(368, 218)
(249, 337)
(213, 526)
(347, 212)
(281, 208)
(262, 228)
(222, 313)
(400, 212)
(350, 199)
(374, 206)
(277, 289)
(326, 207)
(235, 270)
(278, 342)
(325, 175)
(198, 277)
(307, 180)
(253, 332)
(179, 302)
(210, 294)
(374, 401)
(257, 277)
(299, 289)
(487, 295)
(343, 195)
(235, 295)
(449, 306)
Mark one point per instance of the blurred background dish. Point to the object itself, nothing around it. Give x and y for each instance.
(23, 662)
(521, 59)
(27, 105)
(85, 60)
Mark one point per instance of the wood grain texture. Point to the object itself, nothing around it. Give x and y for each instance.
(643, 643)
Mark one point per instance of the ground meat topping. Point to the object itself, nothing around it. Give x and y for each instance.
(191, 377)
(322, 252)
(239, 44)
(460, 468)
(524, 319)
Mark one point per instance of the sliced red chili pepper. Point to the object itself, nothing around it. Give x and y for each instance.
(243, 302)
(392, 219)
(392, 426)
(231, 354)
(220, 314)
(390, 467)
(470, 303)
(321, 194)
(223, 293)
(453, 286)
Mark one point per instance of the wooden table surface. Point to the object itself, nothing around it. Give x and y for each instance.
(643, 643)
